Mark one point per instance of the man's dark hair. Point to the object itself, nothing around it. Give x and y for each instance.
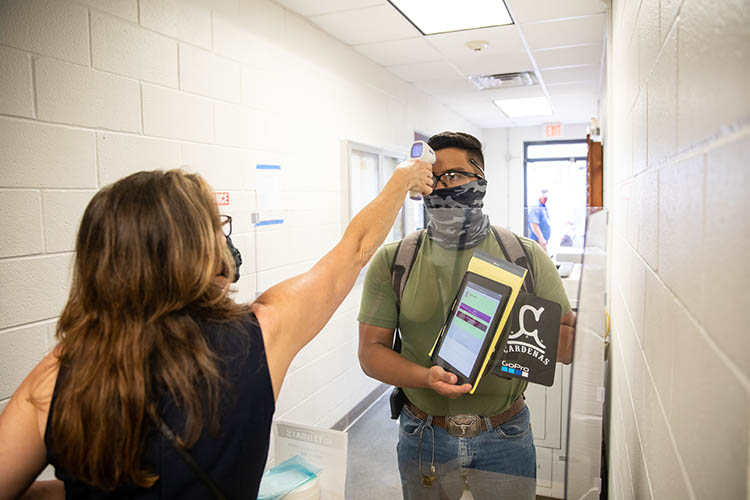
(459, 140)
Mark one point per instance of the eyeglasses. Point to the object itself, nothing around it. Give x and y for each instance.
(453, 178)
(225, 221)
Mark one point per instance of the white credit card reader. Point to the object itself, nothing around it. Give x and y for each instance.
(420, 150)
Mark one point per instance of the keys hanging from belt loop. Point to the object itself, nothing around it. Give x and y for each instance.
(488, 423)
(428, 479)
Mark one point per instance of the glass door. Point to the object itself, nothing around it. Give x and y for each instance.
(555, 194)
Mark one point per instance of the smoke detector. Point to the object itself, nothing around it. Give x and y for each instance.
(504, 80)
(478, 45)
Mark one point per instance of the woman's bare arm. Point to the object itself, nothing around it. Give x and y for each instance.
(293, 312)
(23, 454)
(45, 490)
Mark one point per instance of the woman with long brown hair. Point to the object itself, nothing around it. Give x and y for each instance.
(151, 344)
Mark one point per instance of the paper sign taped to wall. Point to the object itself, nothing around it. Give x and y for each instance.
(324, 448)
(268, 191)
(268, 187)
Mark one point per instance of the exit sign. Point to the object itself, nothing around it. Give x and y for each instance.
(553, 130)
(222, 198)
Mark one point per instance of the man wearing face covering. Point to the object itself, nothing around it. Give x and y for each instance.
(499, 462)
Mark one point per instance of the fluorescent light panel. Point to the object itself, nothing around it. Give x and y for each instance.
(441, 16)
(522, 108)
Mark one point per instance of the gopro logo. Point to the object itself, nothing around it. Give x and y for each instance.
(515, 369)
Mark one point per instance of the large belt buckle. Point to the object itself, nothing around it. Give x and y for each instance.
(463, 426)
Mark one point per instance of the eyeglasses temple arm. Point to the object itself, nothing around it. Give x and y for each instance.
(476, 164)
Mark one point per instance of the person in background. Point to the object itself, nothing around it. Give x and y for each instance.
(151, 345)
(539, 222)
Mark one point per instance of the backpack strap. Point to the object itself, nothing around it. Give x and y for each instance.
(406, 254)
(403, 259)
(514, 252)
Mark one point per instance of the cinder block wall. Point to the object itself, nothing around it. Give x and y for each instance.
(677, 151)
(91, 91)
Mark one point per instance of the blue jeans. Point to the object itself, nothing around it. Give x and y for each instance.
(498, 464)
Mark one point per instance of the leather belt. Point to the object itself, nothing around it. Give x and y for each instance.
(457, 424)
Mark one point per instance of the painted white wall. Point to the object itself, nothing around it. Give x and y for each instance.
(91, 91)
(503, 155)
(676, 171)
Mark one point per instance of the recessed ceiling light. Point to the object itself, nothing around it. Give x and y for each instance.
(440, 16)
(522, 108)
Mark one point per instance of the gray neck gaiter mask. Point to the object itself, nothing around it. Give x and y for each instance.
(456, 218)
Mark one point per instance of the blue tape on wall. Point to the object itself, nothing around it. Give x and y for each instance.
(268, 167)
(269, 222)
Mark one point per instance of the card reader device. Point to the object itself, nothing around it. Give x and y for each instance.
(420, 150)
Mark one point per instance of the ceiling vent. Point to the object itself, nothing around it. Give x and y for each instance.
(504, 80)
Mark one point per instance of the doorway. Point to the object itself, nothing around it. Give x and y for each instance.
(559, 167)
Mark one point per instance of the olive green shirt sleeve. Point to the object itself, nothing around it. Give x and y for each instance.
(378, 303)
(547, 282)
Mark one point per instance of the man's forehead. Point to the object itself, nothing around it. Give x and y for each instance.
(452, 158)
(450, 154)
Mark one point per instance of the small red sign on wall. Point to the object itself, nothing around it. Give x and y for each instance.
(222, 198)
(552, 130)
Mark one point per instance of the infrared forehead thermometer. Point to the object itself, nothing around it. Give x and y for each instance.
(420, 150)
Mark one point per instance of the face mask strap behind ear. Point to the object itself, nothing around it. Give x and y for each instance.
(237, 257)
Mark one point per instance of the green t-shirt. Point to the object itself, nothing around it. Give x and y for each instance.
(432, 285)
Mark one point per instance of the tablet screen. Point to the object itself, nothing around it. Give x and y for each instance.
(470, 326)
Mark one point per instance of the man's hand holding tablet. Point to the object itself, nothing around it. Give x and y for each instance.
(444, 383)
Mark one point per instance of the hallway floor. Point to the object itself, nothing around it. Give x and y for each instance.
(372, 470)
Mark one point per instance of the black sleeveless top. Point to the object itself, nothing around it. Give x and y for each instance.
(234, 458)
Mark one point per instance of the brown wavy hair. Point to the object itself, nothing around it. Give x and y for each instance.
(147, 253)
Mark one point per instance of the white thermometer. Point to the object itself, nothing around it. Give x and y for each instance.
(420, 150)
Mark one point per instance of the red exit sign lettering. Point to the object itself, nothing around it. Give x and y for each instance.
(552, 130)
(222, 198)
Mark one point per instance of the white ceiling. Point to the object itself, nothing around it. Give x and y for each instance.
(561, 40)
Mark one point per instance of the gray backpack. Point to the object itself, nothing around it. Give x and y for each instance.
(408, 248)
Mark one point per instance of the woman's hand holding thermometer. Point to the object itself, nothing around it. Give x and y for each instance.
(419, 167)
(422, 151)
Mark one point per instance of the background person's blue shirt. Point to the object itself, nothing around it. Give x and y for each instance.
(539, 215)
